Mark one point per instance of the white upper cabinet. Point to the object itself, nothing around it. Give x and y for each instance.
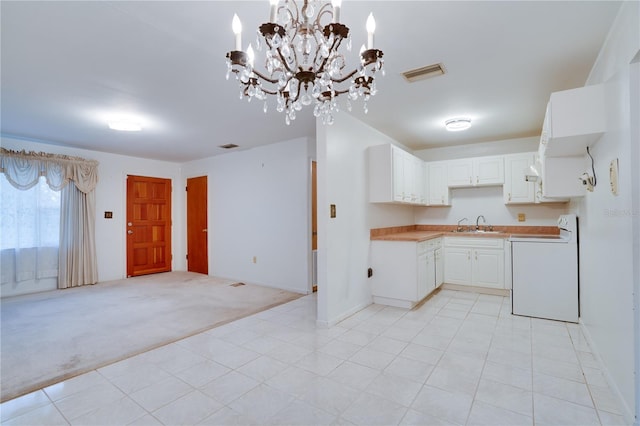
(395, 176)
(436, 180)
(516, 189)
(460, 173)
(574, 120)
(481, 171)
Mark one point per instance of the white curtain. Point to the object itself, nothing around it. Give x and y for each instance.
(77, 263)
(77, 179)
(29, 232)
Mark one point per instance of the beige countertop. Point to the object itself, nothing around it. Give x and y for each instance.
(419, 233)
(428, 235)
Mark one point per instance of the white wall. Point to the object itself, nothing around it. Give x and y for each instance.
(111, 196)
(259, 205)
(506, 146)
(489, 202)
(607, 254)
(344, 241)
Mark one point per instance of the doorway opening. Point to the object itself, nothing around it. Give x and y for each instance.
(314, 226)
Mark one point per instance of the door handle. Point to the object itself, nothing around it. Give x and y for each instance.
(129, 232)
(205, 230)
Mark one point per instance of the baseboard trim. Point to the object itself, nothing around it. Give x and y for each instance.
(472, 289)
(628, 415)
(343, 316)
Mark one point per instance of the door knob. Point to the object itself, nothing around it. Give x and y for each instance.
(129, 232)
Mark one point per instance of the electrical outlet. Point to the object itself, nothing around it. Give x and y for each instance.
(521, 217)
(332, 210)
(369, 273)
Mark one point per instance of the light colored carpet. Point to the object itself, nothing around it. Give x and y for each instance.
(49, 337)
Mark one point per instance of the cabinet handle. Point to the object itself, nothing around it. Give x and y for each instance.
(509, 196)
(468, 255)
(442, 199)
(471, 179)
(476, 253)
(477, 180)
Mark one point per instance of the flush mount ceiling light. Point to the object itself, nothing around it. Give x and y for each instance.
(457, 124)
(125, 125)
(303, 65)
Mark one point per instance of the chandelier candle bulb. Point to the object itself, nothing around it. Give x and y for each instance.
(236, 26)
(273, 11)
(371, 29)
(336, 10)
(251, 55)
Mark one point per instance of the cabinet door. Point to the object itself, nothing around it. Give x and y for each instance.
(488, 171)
(488, 268)
(398, 174)
(459, 173)
(423, 187)
(413, 172)
(439, 263)
(431, 271)
(423, 277)
(516, 189)
(457, 265)
(438, 186)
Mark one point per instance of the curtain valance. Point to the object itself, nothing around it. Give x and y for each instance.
(23, 169)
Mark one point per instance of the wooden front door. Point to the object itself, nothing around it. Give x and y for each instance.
(197, 232)
(148, 225)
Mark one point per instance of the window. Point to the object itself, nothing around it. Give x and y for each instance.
(29, 218)
(29, 231)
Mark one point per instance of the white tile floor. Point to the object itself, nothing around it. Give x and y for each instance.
(461, 358)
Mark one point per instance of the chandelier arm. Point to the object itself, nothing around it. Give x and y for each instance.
(324, 9)
(297, 17)
(345, 78)
(265, 78)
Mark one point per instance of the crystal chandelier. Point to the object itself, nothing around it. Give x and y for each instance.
(303, 65)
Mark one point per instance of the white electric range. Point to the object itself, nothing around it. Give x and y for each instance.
(545, 273)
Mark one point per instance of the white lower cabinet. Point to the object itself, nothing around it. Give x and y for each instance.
(439, 263)
(475, 262)
(404, 272)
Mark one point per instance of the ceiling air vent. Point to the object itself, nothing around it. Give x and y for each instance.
(424, 72)
(229, 146)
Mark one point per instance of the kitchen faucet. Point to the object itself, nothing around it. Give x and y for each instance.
(459, 228)
(478, 220)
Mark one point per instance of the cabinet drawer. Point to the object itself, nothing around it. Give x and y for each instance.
(474, 242)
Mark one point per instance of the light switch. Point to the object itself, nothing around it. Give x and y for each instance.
(521, 217)
(333, 210)
(108, 215)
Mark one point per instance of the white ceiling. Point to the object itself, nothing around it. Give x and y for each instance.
(67, 65)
